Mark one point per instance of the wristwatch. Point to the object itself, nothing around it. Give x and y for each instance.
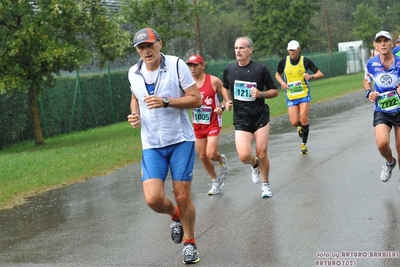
(165, 101)
(262, 94)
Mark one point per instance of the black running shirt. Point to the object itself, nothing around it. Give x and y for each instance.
(253, 72)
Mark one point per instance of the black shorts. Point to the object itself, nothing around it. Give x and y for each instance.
(249, 122)
(390, 119)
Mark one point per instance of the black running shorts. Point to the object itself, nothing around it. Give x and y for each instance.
(250, 123)
(390, 119)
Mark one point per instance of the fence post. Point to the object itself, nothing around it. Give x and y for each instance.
(110, 91)
(77, 86)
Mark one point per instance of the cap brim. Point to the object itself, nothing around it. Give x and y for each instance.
(146, 41)
(376, 38)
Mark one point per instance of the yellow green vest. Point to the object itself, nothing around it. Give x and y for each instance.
(295, 80)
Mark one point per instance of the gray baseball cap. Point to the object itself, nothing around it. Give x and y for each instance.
(145, 35)
(383, 34)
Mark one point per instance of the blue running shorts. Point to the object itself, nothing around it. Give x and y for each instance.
(296, 102)
(179, 158)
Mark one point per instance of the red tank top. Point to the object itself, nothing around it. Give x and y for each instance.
(210, 100)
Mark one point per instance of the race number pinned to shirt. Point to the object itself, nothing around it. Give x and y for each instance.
(202, 115)
(242, 90)
(388, 100)
(295, 88)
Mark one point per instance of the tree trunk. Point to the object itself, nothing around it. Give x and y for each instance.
(37, 128)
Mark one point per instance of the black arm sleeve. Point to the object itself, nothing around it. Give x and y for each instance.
(309, 65)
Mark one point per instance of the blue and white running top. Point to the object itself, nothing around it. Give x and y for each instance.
(384, 83)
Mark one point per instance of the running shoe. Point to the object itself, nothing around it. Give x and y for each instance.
(215, 187)
(190, 254)
(304, 149)
(300, 131)
(223, 168)
(265, 190)
(256, 175)
(176, 232)
(387, 171)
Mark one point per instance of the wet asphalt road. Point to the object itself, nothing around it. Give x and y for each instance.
(327, 206)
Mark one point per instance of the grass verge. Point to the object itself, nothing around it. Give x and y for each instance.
(28, 170)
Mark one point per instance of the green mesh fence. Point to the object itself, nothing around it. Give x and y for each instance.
(79, 102)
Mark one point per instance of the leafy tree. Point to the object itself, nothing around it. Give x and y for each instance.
(332, 23)
(371, 17)
(388, 11)
(368, 24)
(220, 27)
(344, 26)
(272, 24)
(391, 19)
(43, 37)
(226, 5)
(170, 18)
